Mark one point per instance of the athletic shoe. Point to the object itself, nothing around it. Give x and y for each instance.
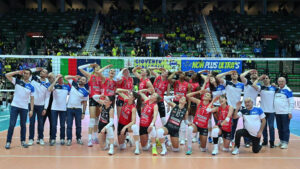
(182, 142)
(106, 147)
(247, 145)
(62, 142)
(52, 142)
(202, 149)
(225, 149)
(90, 143)
(122, 146)
(41, 142)
(210, 140)
(215, 151)
(79, 141)
(95, 141)
(7, 145)
(189, 152)
(69, 142)
(284, 146)
(24, 145)
(137, 151)
(30, 142)
(154, 151)
(278, 144)
(163, 152)
(194, 140)
(111, 151)
(168, 142)
(271, 144)
(264, 143)
(235, 151)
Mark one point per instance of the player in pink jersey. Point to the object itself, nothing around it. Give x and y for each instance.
(94, 82)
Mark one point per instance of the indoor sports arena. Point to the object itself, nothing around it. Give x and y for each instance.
(149, 84)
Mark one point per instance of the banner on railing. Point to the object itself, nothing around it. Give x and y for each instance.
(215, 65)
(171, 65)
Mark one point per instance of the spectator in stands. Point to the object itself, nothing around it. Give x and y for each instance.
(297, 49)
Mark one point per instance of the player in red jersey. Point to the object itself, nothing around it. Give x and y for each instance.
(145, 82)
(127, 119)
(147, 120)
(94, 82)
(200, 123)
(161, 85)
(109, 85)
(181, 88)
(224, 124)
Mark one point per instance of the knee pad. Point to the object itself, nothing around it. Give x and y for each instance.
(160, 133)
(152, 134)
(110, 132)
(92, 123)
(215, 132)
(190, 130)
(182, 127)
(135, 130)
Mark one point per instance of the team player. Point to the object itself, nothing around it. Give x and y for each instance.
(181, 88)
(254, 123)
(223, 124)
(178, 113)
(59, 108)
(250, 90)
(106, 122)
(161, 86)
(24, 93)
(94, 83)
(76, 106)
(147, 120)
(40, 84)
(233, 91)
(127, 119)
(200, 123)
(267, 95)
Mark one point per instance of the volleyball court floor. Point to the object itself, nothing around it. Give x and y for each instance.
(83, 157)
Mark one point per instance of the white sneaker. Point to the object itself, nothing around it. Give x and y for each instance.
(202, 149)
(30, 142)
(137, 151)
(235, 151)
(123, 146)
(225, 149)
(163, 152)
(278, 144)
(284, 146)
(90, 143)
(182, 142)
(111, 151)
(42, 142)
(215, 151)
(106, 147)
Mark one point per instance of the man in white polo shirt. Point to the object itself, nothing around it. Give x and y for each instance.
(22, 96)
(76, 106)
(254, 124)
(40, 84)
(284, 104)
(59, 108)
(267, 95)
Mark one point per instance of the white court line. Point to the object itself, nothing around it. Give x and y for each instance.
(150, 157)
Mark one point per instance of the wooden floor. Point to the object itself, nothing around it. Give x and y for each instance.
(83, 157)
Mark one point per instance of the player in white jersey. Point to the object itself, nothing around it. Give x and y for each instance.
(22, 96)
(59, 108)
(76, 106)
(250, 90)
(40, 84)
